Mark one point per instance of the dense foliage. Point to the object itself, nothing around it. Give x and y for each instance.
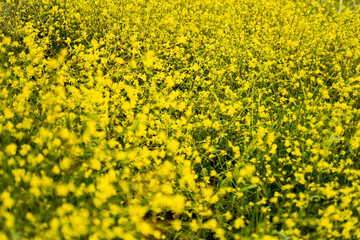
(155, 119)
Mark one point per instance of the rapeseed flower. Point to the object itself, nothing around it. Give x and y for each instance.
(157, 119)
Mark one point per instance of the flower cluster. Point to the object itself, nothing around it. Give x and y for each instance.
(154, 119)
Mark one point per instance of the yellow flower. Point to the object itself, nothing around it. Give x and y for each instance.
(173, 145)
(65, 163)
(7, 201)
(8, 113)
(6, 41)
(3, 236)
(144, 228)
(239, 223)
(194, 226)
(62, 190)
(176, 224)
(247, 171)
(149, 59)
(211, 224)
(11, 149)
(290, 223)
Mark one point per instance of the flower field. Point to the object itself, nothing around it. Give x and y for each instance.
(181, 119)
